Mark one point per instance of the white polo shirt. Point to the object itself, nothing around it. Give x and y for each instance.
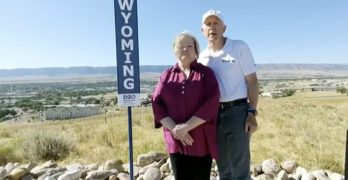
(231, 64)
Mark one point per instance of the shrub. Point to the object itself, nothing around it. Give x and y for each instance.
(7, 154)
(47, 145)
(5, 112)
(289, 92)
(341, 90)
(5, 134)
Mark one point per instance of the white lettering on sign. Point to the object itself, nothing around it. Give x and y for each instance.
(128, 83)
(127, 31)
(122, 4)
(125, 45)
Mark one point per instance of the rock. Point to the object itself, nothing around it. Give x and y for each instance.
(113, 177)
(265, 177)
(114, 164)
(159, 169)
(289, 166)
(74, 166)
(157, 156)
(328, 173)
(294, 176)
(256, 169)
(92, 167)
(155, 164)
(50, 178)
(140, 177)
(336, 176)
(300, 171)
(270, 167)
(282, 175)
(17, 173)
(29, 166)
(144, 159)
(94, 175)
(148, 158)
(320, 175)
(165, 168)
(53, 171)
(49, 164)
(213, 173)
(3, 172)
(123, 176)
(307, 176)
(152, 173)
(213, 178)
(55, 176)
(40, 172)
(37, 170)
(170, 164)
(145, 168)
(28, 177)
(170, 177)
(71, 175)
(136, 169)
(84, 173)
(9, 167)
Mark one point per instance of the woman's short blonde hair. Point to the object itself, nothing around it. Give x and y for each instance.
(186, 34)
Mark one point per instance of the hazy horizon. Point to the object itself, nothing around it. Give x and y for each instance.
(65, 33)
(170, 65)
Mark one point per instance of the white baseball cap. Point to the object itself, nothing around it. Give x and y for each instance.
(212, 13)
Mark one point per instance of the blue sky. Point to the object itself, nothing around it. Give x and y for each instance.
(64, 33)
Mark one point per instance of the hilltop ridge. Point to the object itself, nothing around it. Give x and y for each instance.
(266, 71)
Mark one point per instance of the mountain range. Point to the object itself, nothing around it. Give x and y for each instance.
(265, 71)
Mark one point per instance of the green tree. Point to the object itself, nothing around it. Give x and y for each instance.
(341, 89)
(29, 104)
(288, 92)
(5, 112)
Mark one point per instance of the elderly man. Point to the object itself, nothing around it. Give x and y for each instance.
(235, 70)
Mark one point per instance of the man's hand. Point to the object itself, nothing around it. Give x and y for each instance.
(250, 124)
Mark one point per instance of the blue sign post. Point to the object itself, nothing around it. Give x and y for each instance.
(127, 51)
(346, 168)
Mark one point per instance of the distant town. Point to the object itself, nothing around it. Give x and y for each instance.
(41, 98)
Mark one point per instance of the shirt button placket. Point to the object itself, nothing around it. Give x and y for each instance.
(183, 87)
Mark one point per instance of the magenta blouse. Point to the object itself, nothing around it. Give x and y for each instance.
(180, 99)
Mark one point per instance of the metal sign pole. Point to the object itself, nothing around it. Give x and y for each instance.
(346, 168)
(130, 142)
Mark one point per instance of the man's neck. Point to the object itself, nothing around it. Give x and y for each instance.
(217, 45)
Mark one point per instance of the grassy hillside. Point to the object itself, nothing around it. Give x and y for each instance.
(309, 128)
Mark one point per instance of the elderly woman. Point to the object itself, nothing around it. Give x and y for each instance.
(186, 102)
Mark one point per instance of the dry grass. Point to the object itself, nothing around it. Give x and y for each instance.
(309, 128)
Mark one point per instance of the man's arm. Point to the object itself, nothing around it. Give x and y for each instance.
(253, 89)
(253, 96)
